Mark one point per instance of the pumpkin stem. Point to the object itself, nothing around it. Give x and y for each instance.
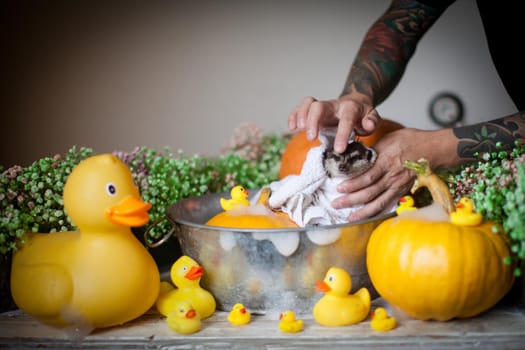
(436, 186)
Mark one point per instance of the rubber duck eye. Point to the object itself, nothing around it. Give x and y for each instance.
(331, 278)
(111, 189)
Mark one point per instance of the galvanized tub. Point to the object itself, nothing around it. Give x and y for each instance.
(269, 270)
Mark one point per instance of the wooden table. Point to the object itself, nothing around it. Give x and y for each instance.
(503, 327)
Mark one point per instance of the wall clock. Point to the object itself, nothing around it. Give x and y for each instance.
(446, 109)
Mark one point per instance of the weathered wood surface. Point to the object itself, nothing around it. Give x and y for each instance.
(501, 328)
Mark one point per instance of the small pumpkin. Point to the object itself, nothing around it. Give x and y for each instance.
(295, 151)
(259, 216)
(438, 270)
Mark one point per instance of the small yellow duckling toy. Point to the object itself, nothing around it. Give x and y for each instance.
(239, 196)
(238, 315)
(185, 274)
(100, 275)
(465, 215)
(337, 307)
(406, 203)
(381, 321)
(288, 323)
(184, 318)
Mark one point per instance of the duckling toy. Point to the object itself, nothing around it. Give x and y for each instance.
(337, 307)
(381, 321)
(465, 215)
(239, 196)
(406, 203)
(185, 274)
(100, 275)
(238, 315)
(183, 318)
(288, 323)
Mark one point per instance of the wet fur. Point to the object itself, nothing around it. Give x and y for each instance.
(356, 159)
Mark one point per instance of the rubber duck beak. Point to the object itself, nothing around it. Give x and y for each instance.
(321, 286)
(131, 211)
(460, 205)
(195, 272)
(191, 313)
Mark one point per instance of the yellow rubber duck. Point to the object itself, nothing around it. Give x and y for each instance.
(288, 323)
(239, 196)
(465, 215)
(238, 315)
(337, 307)
(186, 275)
(406, 203)
(100, 275)
(184, 318)
(381, 321)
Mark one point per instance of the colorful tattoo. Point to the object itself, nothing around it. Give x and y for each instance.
(496, 135)
(387, 48)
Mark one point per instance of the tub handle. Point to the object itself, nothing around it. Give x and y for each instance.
(164, 238)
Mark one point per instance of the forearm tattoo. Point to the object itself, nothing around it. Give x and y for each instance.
(387, 48)
(495, 135)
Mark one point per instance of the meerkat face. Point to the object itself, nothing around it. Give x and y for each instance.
(356, 159)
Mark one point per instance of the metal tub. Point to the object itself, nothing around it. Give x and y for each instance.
(269, 270)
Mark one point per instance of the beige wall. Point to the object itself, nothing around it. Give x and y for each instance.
(184, 74)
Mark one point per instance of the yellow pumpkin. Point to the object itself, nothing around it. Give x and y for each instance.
(256, 218)
(438, 270)
(272, 220)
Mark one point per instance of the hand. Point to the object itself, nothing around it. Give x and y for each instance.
(381, 187)
(349, 112)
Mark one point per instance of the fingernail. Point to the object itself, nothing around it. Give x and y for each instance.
(310, 135)
(339, 147)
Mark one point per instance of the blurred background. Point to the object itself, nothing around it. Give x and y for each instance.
(184, 74)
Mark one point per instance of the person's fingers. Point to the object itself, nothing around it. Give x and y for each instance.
(292, 119)
(303, 111)
(363, 194)
(370, 121)
(319, 113)
(381, 205)
(350, 114)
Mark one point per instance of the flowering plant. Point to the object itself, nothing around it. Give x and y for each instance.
(496, 184)
(31, 197)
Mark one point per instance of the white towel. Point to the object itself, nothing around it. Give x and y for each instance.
(307, 197)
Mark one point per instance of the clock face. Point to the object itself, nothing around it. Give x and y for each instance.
(446, 110)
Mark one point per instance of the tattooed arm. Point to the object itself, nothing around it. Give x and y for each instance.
(495, 135)
(376, 71)
(387, 181)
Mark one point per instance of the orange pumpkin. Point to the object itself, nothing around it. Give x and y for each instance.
(295, 152)
(259, 216)
(251, 220)
(438, 270)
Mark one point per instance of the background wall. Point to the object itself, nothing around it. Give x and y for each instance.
(185, 74)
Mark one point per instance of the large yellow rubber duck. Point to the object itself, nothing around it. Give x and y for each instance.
(381, 321)
(337, 307)
(100, 275)
(186, 274)
(406, 203)
(239, 316)
(465, 215)
(288, 323)
(239, 198)
(184, 318)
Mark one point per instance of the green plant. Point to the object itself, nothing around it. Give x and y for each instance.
(31, 197)
(496, 184)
